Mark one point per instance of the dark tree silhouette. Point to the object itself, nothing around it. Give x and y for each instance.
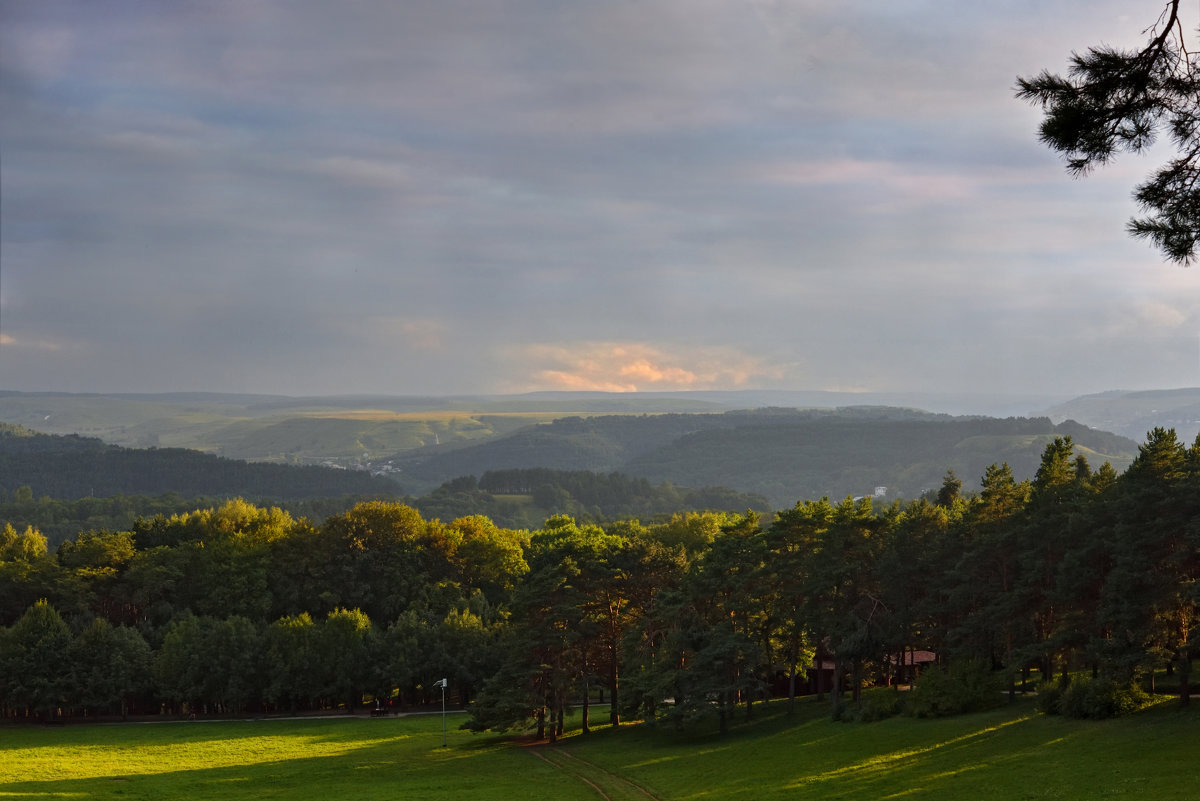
(1114, 100)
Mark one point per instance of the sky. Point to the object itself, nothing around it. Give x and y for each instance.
(439, 197)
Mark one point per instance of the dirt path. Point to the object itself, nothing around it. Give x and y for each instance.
(610, 786)
(537, 753)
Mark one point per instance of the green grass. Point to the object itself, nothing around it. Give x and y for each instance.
(338, 758)
(1010, 753)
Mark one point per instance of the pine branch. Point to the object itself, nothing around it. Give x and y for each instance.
(1113, 101)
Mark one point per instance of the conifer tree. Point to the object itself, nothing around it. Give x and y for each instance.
(1114, 100)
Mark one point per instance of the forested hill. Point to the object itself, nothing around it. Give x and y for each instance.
(69, 467)
(1134, 413)
(785, 455)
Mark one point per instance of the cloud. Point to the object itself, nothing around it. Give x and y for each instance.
(644, 370)
(671, 194)
(389, 332)
(641, 367)
(376, 173)
(41, 52)
(914, 183)
(1162, 315)
(9, 341)
(1147, 319)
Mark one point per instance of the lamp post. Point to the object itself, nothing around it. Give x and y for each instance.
(442, 684)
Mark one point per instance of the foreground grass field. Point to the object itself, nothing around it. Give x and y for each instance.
(334, 758)
(1005, 754)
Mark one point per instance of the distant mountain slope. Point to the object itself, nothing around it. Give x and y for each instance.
(340, 429)
(785, 455)
(262, 427)
(1132, 414)
(609, 442)
(788, 461)
(69, 467)
(569, 443)
(354, 431)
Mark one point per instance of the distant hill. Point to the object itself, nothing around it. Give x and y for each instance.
(837, 457)
(70, 467)
(1132, 414)
(347, 431)
(352, 430)
(433, 439)
(784, 455)
(688, 439)
(568, 443)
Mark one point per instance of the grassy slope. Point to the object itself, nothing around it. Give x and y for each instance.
(1004, 754)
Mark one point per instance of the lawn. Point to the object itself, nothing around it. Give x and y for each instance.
(1011, 753)
(349, 759)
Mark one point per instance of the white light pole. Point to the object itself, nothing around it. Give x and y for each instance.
(442, 684)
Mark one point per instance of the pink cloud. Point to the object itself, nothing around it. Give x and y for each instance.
(635, 366)
(912, 182)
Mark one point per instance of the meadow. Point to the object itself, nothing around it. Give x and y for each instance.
(1011, 753)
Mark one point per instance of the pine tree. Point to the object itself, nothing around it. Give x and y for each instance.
(1114, 100)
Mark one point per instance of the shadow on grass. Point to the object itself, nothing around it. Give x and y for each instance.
(1009, 753)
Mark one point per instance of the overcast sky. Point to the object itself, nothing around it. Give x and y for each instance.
(440, 197)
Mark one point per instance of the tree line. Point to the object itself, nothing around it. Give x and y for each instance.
(525, 497)
(510, 498)
(1074, 573)
(59, 520)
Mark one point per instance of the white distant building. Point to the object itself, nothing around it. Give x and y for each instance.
(880, 492)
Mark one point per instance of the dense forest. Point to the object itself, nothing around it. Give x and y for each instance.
(1085, 577)
(524, 498)
(59, 520)
(589, 497)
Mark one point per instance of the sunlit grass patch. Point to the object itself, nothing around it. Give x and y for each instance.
(162, 748)
(1008, 753)
(294, 759)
